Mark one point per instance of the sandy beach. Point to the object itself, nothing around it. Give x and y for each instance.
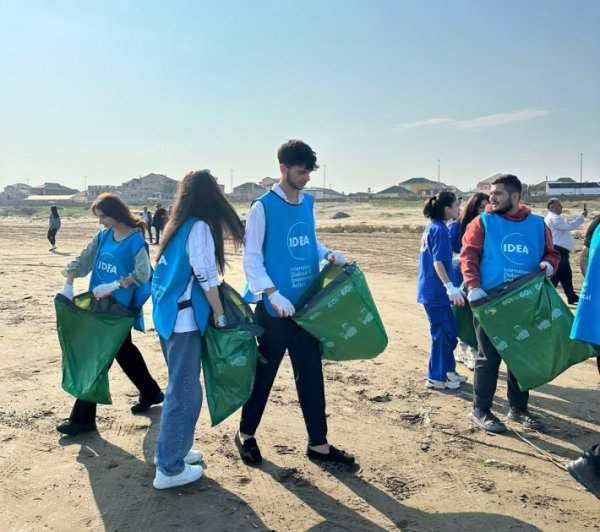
(422, 466)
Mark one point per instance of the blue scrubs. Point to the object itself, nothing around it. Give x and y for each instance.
(435, 246)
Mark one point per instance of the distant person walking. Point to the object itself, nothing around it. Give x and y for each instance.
(159, 221)
(474, 207)
(53, 227)
(564, 243)
(436, 292)
(147, 217)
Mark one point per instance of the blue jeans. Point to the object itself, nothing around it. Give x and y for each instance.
(442, 326)
(182, 403)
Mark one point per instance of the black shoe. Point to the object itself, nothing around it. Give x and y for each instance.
(584, 471)
(72, 428)
(249, 451)
(525, 417)
(334, 455)
(574, 300)
(144, 403)
(487, 421)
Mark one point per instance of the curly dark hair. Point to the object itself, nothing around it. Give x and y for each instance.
(296, 152)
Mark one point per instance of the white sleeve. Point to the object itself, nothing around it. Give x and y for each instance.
(200, 248)
(321, 249)
(253, 258)
(558, 222)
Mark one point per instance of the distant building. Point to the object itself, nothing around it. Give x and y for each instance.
(267, 182)
(93, 191)
(486, 185)
(16, 192)
(324, 194)
(395, 192)
(418, 184)
(150, 188)
(52, 189)
(572, 188)
(248, 191)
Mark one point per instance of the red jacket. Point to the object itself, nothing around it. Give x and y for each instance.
(472, 246)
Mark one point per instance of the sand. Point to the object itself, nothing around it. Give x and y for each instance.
(421, 464)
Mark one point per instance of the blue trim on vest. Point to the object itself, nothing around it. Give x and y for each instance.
(171, 277)
(115, 260)
(585, 325)
(290, 246)
(511, 249)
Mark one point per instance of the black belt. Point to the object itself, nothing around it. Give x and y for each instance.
(184, 304)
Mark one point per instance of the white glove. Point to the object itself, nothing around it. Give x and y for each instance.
(67, 291)
(454, 294)
(282, 305)
(547, 267)
(104, 290)
(220, 321)
(476, 293)
(336, 257)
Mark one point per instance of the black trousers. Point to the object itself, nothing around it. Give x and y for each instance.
(132, 363)
(52, 236)
(281, 334)
(157, 232)
(485, 379)
(564, 274)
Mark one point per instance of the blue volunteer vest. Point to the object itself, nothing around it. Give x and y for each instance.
(510, 249)
(171, 277)
(585, 326)
(115, 260)
(290, 246)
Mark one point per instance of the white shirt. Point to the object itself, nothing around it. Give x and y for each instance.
(253, 258)
(200, 248)
(561, 229)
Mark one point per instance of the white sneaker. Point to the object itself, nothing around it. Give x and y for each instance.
(193, 457)
(461, 354)
(189, 474)
(442, 385)
(454, 376)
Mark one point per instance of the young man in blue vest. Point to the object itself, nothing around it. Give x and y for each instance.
(505, 242)
(281, 259)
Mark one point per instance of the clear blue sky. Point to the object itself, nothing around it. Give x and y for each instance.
(381, 90)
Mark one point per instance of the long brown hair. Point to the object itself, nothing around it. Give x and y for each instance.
(471, 210)
(199, 195)
(114, 207)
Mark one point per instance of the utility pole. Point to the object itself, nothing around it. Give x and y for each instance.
(231, 178)
(438, 170)
(581, 167)
(324, 175)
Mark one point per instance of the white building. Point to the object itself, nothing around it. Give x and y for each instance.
(572, 188)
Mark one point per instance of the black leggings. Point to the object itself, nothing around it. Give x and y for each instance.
(132, 363)
(52, 236)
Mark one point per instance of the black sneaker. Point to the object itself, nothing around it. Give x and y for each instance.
(334, 455)
(584, 471)
(574, 300)
(487, 421)
(249, 451)
(525, 417)
(72, 428)
(145, 403)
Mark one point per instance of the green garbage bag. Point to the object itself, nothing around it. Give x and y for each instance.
(464, 323)
(229, 356)
(339, 311)
(529, 324)
(90, 333)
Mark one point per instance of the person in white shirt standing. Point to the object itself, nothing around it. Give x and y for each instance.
(564, 243)
(281, 259)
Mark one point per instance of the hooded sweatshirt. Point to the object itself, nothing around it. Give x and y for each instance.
(472, 246)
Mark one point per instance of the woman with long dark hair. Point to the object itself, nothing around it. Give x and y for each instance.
(117, 257)
(474, 207)
(436, 292)
(53, 227)
(184, 290)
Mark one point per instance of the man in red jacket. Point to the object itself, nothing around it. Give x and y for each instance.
(506, 242)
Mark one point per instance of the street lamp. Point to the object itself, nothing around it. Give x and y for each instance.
(438, 170)
(581, 167)
(231, 178)
(324, 175)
